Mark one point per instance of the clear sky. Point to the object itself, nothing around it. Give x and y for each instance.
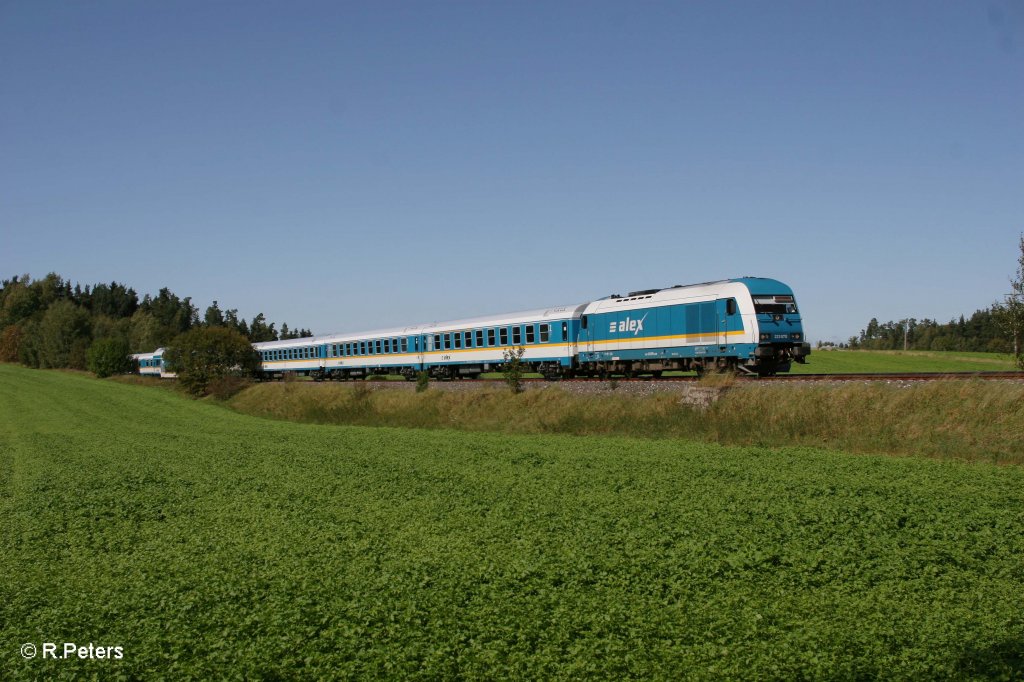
(347, 166)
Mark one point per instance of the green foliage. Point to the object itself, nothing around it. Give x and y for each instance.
(1010, 313)
(63, 336)
(109, 356)
(49, 323)
(259, 330)
(514, 368)
(979, 333)
(422, 381)
(205, 354)
(206, 541)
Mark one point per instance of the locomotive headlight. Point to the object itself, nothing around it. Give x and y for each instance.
(796, 336)
(766, 337)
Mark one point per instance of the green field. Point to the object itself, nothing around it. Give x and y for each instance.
(211, 544)
(855, 361)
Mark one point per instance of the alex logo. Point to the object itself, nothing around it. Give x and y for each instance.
(627, 325)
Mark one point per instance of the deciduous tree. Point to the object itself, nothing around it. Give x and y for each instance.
(205, 354)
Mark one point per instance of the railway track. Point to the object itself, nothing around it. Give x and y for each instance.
(913, 376)
(791, 378)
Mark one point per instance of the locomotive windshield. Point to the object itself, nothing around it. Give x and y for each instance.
(774, 304)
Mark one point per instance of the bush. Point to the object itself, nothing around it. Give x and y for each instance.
(514, 368)
(109, 356)
(225, 388)
(205, 354)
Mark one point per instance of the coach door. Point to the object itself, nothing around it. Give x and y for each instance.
(725, 309)
(587, 333)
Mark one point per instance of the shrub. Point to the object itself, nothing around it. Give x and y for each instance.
(514, 368)
(225, 388)
(204, 354)
(109, 356)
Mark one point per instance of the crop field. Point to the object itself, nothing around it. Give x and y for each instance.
(209, 544)
(869, 361)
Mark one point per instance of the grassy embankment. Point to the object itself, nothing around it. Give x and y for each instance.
(209, 544)
(973, 420)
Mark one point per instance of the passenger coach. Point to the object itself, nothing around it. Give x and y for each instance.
(152, 364)
(457, 349)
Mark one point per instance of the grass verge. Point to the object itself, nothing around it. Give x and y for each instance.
(972, 420)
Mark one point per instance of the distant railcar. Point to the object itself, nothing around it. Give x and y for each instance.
(152, 364)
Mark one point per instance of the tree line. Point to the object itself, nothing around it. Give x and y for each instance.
(48, 323)
(981, 332)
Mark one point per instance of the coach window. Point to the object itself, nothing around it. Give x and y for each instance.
(377, 345)
(517, 335)
(545, 333)
(531, 336)
(387, 345)
(503, 336)
(467, 339)
(479, 338)
(458, 339)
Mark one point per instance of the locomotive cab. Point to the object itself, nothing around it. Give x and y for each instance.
(780, 333)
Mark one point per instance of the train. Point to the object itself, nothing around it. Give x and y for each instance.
(749, 325)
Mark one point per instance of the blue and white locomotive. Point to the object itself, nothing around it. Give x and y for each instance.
(749, 324)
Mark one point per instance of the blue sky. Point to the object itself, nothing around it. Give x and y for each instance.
(345, 166)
